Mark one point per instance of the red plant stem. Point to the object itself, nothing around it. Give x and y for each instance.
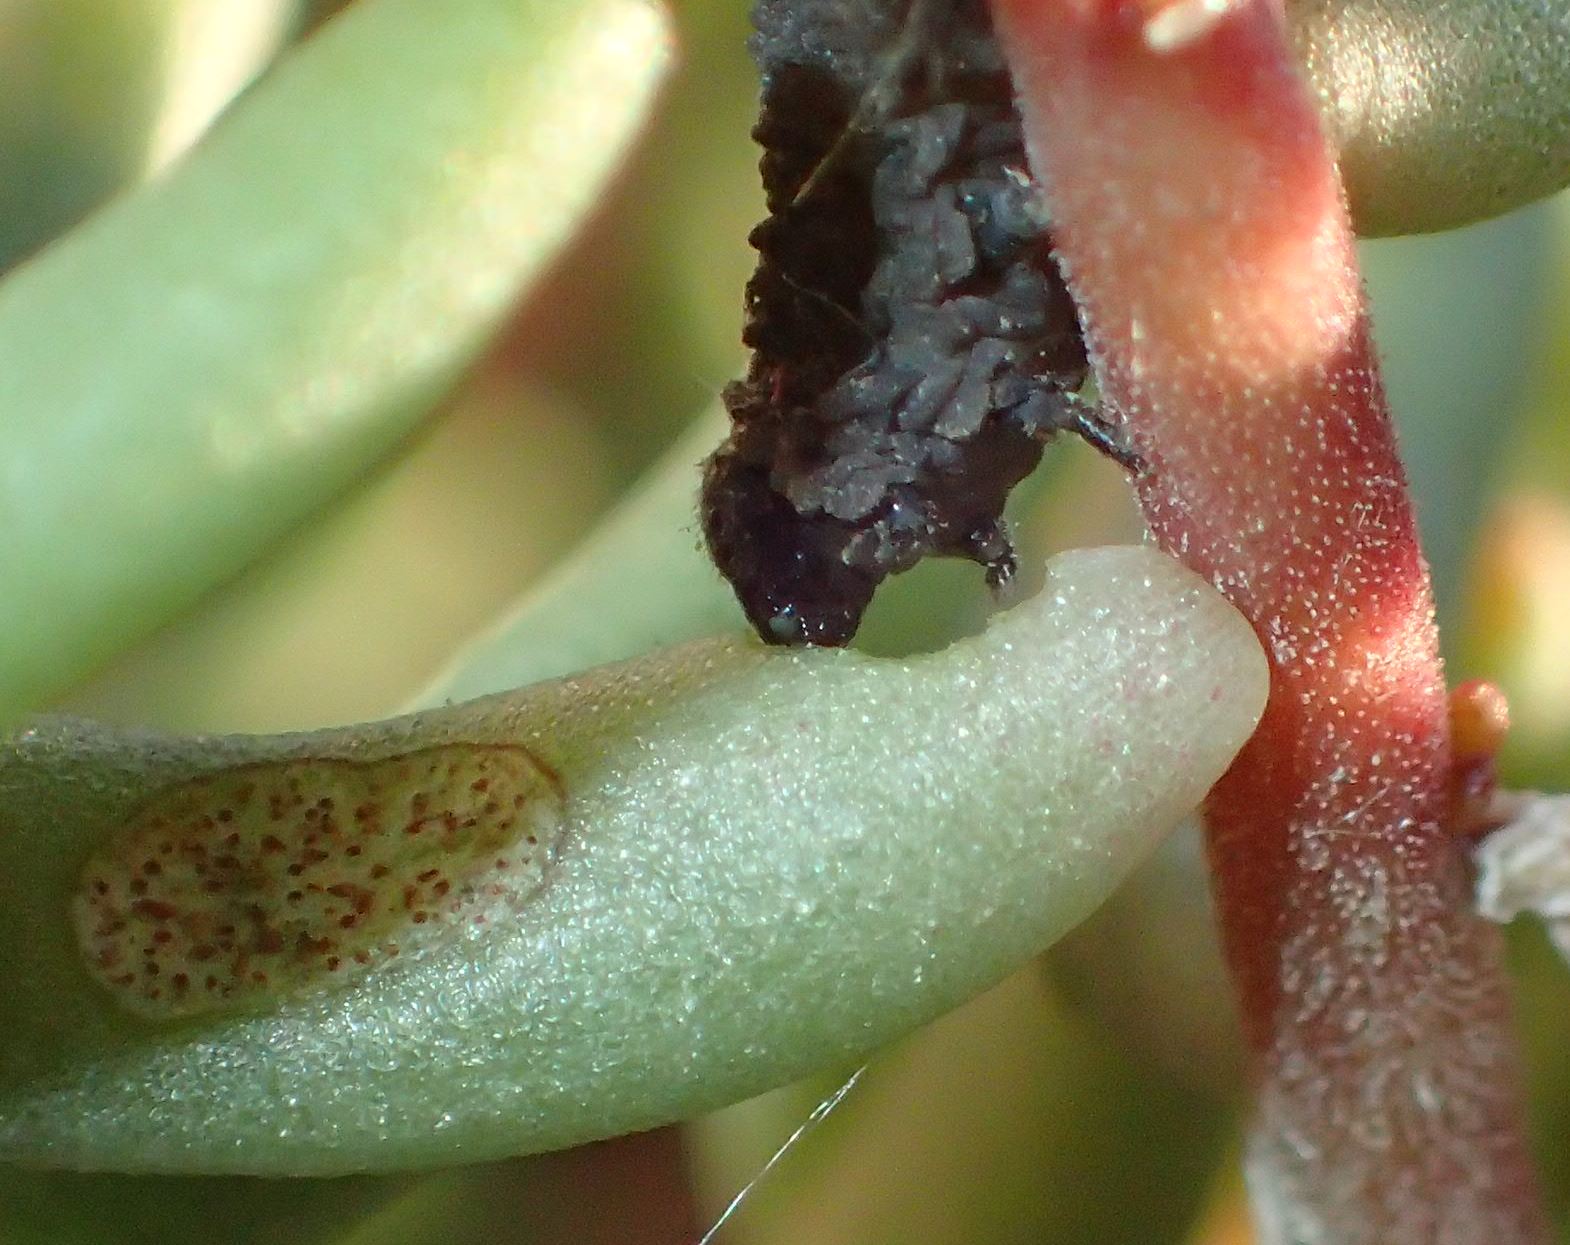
(1201, 224)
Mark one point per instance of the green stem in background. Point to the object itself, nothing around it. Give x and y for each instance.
(640, 579)
(745, 865)
(1519, 594)
(76, 1208)
(627, 1191)
(201, 366)
(1197, 210)
(1013, 1118)
(1458, 317)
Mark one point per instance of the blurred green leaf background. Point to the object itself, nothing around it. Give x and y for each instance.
(1089, 1100)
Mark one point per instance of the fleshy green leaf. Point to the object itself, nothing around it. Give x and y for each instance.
(589, 906)
(1445, 111)
(342, 621)
(196, 369)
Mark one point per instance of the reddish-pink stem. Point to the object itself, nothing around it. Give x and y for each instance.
(1201, 224)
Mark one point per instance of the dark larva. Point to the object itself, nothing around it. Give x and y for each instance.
(913, 343)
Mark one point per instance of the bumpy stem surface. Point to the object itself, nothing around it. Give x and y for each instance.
(1201, 222)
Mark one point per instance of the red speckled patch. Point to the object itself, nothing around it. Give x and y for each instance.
(268, 878)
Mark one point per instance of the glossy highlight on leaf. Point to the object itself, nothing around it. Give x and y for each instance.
(94, 94)
(762, 863)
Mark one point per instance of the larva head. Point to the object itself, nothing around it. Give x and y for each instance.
(272, 878)
(790, 571)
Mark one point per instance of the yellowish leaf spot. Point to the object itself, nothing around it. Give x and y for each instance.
(275, 877)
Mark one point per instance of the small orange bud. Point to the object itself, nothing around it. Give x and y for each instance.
(1479, 719)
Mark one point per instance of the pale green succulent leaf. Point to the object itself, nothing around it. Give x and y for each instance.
(746, 864)
(1445, 111)
(196, 369)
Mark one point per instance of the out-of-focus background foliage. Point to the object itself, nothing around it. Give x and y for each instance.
(1087, 1100)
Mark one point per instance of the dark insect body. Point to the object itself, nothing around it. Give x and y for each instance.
(913, 343)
